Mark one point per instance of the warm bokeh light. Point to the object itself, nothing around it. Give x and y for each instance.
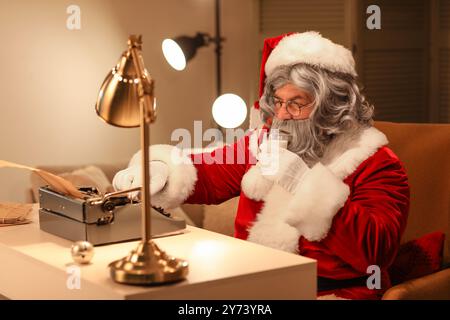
(229, 110)
(173, 54)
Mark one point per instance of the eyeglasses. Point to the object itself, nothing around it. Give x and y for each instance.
(293, 107)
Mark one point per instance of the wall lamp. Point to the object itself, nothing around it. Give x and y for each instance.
(229, 110)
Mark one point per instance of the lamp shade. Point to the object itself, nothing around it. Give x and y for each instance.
(174, 54)
(180, 50)
(118, 99)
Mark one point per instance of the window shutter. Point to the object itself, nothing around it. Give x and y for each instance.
(444, 61)
(395, 61)
(281, 16)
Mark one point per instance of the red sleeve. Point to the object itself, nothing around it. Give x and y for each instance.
(219, 173)
(368, 229)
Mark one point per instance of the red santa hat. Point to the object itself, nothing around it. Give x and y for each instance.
(292, 48)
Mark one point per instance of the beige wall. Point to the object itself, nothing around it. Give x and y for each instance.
(50, 76)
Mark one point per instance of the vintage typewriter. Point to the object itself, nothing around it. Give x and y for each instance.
(100, 219)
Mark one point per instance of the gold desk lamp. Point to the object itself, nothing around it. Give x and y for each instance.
(126, 99)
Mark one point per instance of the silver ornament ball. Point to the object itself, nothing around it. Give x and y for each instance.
(82, 252)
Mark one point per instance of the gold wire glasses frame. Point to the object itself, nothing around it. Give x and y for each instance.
(293, 108)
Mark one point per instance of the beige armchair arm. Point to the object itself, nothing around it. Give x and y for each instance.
(435, 286)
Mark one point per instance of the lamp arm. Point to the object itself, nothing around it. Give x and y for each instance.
(146, 85)
(146, 99)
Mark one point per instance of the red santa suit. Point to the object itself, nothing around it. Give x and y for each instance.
(348, 211)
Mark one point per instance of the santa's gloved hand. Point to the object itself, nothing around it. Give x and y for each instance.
(131, 177)
(280, 165)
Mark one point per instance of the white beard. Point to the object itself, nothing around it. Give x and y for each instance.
(304, 142)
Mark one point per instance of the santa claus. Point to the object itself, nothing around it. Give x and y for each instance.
(336, 193)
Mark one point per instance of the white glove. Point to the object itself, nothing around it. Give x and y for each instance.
(280, 165)
(131, 177)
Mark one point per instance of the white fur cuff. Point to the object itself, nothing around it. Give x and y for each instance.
(317, 199)
(254, 185)
(182, 175)
(273, 232)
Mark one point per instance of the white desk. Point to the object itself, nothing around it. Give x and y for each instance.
(33, 265)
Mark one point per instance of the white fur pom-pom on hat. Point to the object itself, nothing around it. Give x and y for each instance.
(313, 49)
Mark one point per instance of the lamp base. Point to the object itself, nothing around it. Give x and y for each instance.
(148, 265)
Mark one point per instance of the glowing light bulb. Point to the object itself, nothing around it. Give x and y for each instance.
(229, 110)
